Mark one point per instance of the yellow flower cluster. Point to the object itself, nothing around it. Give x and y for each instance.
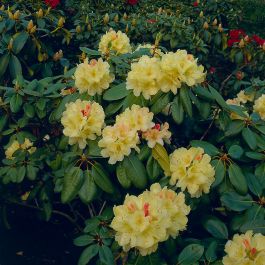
(82, 120)
(191, 170)
(27, 145)
(259, 106)
(117, 42)
(245, 249)
(152, 217)
(157, 135)
(168, 73)
(118, 140)
(93, 77)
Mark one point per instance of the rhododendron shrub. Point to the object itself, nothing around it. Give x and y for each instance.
(151, 147)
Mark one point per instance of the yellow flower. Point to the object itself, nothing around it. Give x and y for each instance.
(191, 170)
(138, 118)
(153, 50)
(180, 67)
(244, 98)
(117, 42)
(27, 145)
(82, 120)
(245, 249)
(236, 102)
(157, 134)
(93, 77)
(259, 106)
(144, 221)
(144, 77)
(118, 141)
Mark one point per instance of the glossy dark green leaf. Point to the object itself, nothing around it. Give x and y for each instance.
(190, 254)
(185, 100)
(116, 92)
(88, 191)
(220, 170)
(19, 41)
(88, 254)
(235, 151)
(4, 61)
(83, 240)
(15, 67)
(208, 148)
(122, 177)
(177, 110)
(249, 138)
(237, 179)
(16, 103)
(236, 202)
(105, 255)
(216, 228)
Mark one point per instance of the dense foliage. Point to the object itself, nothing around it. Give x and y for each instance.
(143, 123)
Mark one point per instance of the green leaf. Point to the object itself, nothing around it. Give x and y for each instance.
(257, 226)
(160, 154)
(161, 103)
(88, 254)
(15, 68)
(3, 121)
(237, 179)
(177, 111)
(249, 138)
(89, 51)
(254, 184)
(190, 254)
(4, 61)
(72, 183)
(219, 169)
(255, 155)
(19, 41)
(105, 255)
(32, 172)
(102, 179)
(208, 148)
(219, 99)
(29, 110)
(135, 171)
(116, 92)
(236, 151)
(88, 191)
(185, 100)
(211, 252)
(234, 128)
(15, 103)
(236, 202)
(216, 228)
(122, 177)
(153, 169)
(21, 172)
(83, 240)
(203, 92)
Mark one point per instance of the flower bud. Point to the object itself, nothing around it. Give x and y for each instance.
(106, 19)
(40, 13)
(89, 28)
(40, 57)
(125, 16)
(215, 22)
(205, 25)
(10, 44)
(241, 43)
(239, 75)
(78, 29)
(220, 28)
(201, 14)
(160, 10)
(10, 14)
(61, 22)
(127, 29)
(116, 18)
(134, 22)
(30, 25)
(17, 15)
(83, 56)
(58, 55)
(2, 8)
(33, 30)
(263, 46)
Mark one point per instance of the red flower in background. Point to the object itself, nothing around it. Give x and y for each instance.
(151, 21)
(212, 70)
(235, 35)
(195, 3)
(132, 2)
(258, 40)
(52, 3)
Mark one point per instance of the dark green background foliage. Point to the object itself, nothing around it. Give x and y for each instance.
(78, 196)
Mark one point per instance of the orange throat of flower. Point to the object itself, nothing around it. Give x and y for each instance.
(146, 209)
(251, 252)
(86, 112)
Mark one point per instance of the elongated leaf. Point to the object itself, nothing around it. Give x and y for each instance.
(102, 178)
(122, 177)
(14, 67)
(88, 191)
(72, 183)
(237, 179)
(15, 103)
(185, 100)
(177, 110)
(105, 255)
(135, 171)
(116, 92)
(249, 138)
(219, 169)
(88, 254)
(216, 228)
(257, 226)
(190, 254)
(236, 202)
(4, 60)
(207, 147)
(19, 41)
